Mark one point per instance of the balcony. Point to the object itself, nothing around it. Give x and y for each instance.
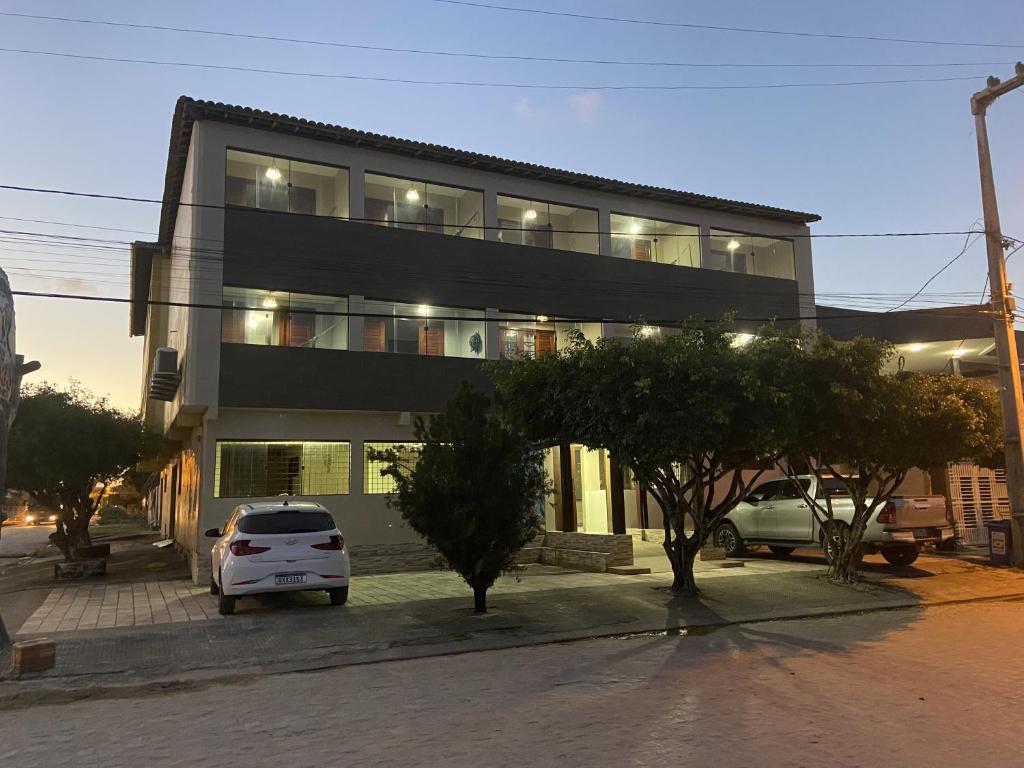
(253, 376)
(307, 254)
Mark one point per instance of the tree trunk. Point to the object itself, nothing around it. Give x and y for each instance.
(683, 582)
(681, 557)
(480, 599)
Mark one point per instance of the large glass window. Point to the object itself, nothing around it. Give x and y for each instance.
(663, 242)
(422, 329)
(547, 225)
(279, 184)
(256, 469)
(424, 206)
(751, 254)
(373, 481)
(282, 319)
(521, 337)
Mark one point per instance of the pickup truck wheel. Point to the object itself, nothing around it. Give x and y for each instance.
(728, 538)
(900, 555)
(781, 551)
(831, 535)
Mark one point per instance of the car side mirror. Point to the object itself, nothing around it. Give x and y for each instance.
(751, 501)
(214, 533)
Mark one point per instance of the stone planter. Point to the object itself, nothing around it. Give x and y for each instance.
(80, 569)
(94, 551)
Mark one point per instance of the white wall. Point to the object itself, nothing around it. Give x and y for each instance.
(364, 519)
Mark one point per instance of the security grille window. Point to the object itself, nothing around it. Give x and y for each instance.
(373, 481)
(253, 469)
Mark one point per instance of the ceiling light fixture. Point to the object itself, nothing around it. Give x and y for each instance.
(915, 347)
(273, 173)
(542, 318)
(423, 309)
(634, 228)
(733, 245)
(412, 195)
(270, 303)
(529, 214)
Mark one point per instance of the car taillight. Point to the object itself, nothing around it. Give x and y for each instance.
(888, 513)
(242, 547)
(335, 543)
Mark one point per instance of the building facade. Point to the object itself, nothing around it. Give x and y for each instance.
(322, 286)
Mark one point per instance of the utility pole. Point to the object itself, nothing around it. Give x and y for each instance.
(1002, 309)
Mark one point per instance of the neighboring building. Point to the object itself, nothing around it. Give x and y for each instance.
(956, 339)
(363, 277)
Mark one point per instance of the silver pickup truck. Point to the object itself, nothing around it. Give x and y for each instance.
(776, 514)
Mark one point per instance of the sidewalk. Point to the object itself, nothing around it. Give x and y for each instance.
(400, 616)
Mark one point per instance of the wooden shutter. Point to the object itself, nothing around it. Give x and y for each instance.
(232, 326)
(545, 342)
(432, 341)
(301, 328)
(373, 334)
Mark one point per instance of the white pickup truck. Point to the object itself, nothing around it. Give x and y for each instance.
(776, 514)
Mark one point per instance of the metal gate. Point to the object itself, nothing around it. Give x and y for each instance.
(976, 495)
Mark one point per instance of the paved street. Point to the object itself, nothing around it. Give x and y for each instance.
(928, 687)
(22, 540)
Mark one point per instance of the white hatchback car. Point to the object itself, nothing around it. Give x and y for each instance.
(278, 547)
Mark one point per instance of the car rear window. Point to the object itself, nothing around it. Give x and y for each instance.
(290, 521)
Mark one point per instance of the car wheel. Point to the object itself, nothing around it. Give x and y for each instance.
(214, 589)
(338, 596)
(831, 534)
(900, 555)
(226, 604)
(781, 551)
(728, 538)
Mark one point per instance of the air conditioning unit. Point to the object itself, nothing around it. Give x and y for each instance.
(164, 380)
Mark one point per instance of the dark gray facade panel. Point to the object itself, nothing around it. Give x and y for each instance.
(909, 326)
(308, 254)
(253, 376)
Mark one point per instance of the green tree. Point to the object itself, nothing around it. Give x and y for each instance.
(66, 446)
(868, 428)
(694, 414)
(473, 490)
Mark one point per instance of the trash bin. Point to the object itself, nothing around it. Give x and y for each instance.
(1000, 545)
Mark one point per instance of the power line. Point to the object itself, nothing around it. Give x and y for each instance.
(478, 84)
(719, 28)
(968, 242)
(787, 236)
(508, 318)
(493, 56)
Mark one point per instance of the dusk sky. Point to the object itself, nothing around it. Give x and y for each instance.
(867, 158)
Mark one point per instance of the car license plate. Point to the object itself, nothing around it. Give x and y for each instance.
(290, 578)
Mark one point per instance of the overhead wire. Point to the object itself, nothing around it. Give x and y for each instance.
(482, 84)
(720, 27)
(489, 56)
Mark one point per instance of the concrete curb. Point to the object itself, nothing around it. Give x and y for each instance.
(54, 690)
